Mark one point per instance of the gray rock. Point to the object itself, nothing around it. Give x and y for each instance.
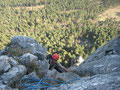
(5, 87)
(4, 64)
(13, 75)
(106, 64)
(66, 76)
(61, 77)
(106, 59)
(1, 82)
(28, 59)
(52, 73)
(33, 64)
(97, 82)
(13, 62)
(20, 45)
(42, 69)
(72, 68)
(31, 75)
(2, 86)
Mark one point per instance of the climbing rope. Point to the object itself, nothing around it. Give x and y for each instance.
(33, 83)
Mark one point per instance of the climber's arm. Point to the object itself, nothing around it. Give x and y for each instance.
(64, 68)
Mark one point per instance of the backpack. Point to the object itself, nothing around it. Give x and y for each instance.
(49, 57)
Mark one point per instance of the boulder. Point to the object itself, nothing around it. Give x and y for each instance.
(12, 61)
(41, 68)
(33, 64)
(20, 45)
(28, 59)
(4, 64)
(13, 75)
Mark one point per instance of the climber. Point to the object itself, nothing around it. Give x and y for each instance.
(53, 61)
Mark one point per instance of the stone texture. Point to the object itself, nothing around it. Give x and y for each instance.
(20, 45)
(111, 48)
(106, 64)
(42, 68)
(97, 82)
(14, 74)
(13, 62)
(4, 64)
(28, 59)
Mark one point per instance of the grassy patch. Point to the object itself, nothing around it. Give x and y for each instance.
(31, 7)
(110, 13)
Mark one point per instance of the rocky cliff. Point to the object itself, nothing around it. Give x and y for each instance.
(25, 57)
(100, 71)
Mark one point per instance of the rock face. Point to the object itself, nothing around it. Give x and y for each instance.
(97, 82)
(100, 71)
(106, 64)
(106, 59)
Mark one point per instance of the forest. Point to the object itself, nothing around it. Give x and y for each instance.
(70, 28)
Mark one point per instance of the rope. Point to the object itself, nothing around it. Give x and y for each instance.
(33, 83)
